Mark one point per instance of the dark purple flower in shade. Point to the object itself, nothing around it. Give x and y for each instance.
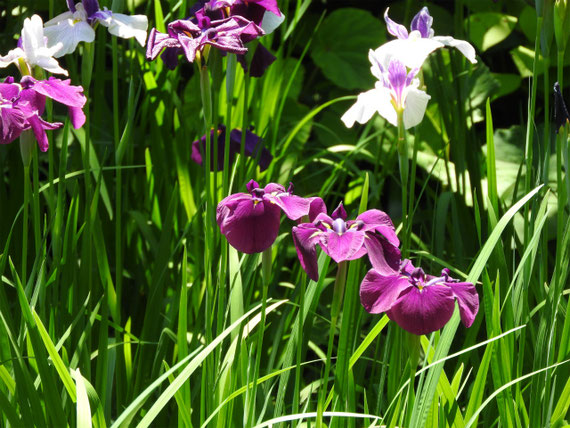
(190, 38)
(250, 221)
(371, 233)
(561, 116)
(419, 303)
(253, 144)
(21, 107)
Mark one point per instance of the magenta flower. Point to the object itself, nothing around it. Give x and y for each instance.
(250, 221)
(190, 37)
(21, 107)
(371, 233)
(264, 13)
(419, 303)
(253, 144)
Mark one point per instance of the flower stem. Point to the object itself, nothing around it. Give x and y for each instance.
(266, 277)
(246, 79)
(404, 168)
(338, 293)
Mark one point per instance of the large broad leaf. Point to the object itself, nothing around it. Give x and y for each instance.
(486, 29)
(341, 47)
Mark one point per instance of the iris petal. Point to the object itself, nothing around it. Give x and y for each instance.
(378, 292)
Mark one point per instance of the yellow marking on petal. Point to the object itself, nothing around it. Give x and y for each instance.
(326, 225)
(315, 234)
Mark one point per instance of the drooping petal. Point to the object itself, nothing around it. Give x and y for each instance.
(394, 28)
(261, 60)
(415, 107)
(68, 34)
(467, 299)
(39, 126)
(379, 292)
(11, 57)
(316, 207)
(305, 237)
(461, 45)
(248, 225)
(412, 52)
(12, 123)
(341, 247)
(368, 103)
(423, 311)
(127, 26)
(293, 206)
(384, 256)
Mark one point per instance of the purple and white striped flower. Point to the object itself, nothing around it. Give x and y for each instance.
(76, 25)
(417, 302)
(395, 91)
(371, 233)
(413, 48)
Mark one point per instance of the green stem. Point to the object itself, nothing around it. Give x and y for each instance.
(246, 79)
(230, 81)
(338, 293)
(404, 168)
(266, 277)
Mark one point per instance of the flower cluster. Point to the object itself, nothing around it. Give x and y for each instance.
(226, 25)
(419, 303)
(22, 104)
(395, 64)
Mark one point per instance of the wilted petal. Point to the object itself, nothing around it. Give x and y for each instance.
(126, 26)
(378, 292)
(415, 107)
(248, 225)
(467, 299)
(461, 45)
(423, 311)
(305, 237)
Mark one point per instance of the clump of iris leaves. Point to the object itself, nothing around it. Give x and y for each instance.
(117, 320)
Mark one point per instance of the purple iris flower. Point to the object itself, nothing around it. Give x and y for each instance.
(250, 221)
(253, 144)
(419, 303)
(253, 10)
(190, 38)
(371, 233)
(21, 107)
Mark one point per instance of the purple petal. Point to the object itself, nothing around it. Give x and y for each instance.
(317, 206)
(422, 23)
(76, 116)
(261, 61)
(305, 238)
(8, 90)
(397, 75)
(423, 311)
(12, 123)
(61, 91)
(384, 256)
(347, 246)
(378, 292)
(293, 206)
(250, 227)
(71, 5)
(91, 7)
(39, 126)
(467, 299)
(253, 143)
(394, 28)
(339, 212)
